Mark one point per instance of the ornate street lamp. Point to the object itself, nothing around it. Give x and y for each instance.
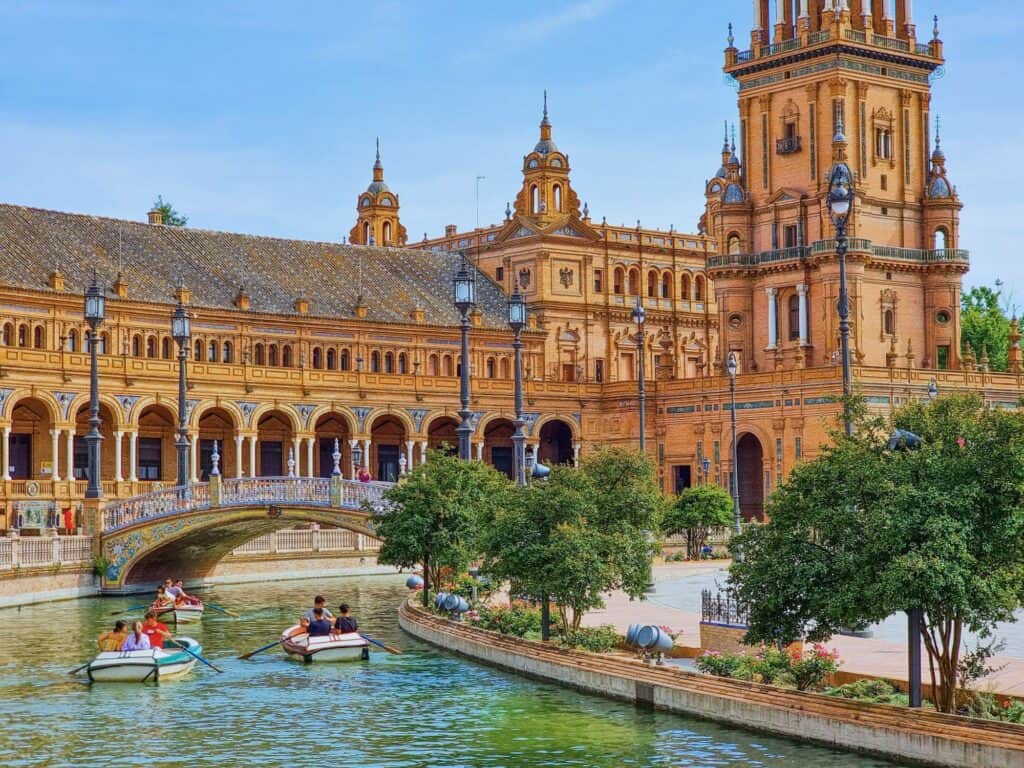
(95, 304)
(181, 330)
(517, 321)
(840, 203)
(737, 520)
(465, 299)
(638, 317)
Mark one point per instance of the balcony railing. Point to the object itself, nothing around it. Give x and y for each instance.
(291, 541)
(892, 43)
(939, 255)
(44, 551)
(856, 244)
(785, 45)
(787, 146)
(754, 259)
(829, 246)
(855, 35)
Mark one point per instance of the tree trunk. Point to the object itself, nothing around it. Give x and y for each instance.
(942, 642)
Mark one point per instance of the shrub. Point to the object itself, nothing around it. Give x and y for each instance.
(802, 671)
(770, 665)
(516, 619)
(596, 639)
(463, 587)
(724, 665)
(871, 692)
(809, 669)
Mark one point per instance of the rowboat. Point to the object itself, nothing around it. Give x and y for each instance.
(144, 666)
(343, 647)
(180, 614)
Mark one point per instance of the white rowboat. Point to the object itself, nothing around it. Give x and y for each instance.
(144, 666)
(350, 646)
(180, 614)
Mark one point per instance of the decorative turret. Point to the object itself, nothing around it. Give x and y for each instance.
(546, 194)
(378, 222)
(941, 203)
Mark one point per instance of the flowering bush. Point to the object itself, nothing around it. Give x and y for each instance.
(516, 619)
(724, 665)
(800, 670)
(770, 665)
(810, 668)
(597, 639)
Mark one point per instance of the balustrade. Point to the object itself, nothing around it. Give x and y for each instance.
(44, 551)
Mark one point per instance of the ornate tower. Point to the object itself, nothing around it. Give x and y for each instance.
(377, 208)
(546, 195)
(830, 78)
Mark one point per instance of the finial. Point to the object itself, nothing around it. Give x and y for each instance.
(725, 136)
(938, 131)
(508, 211)
(586, 210)
(377, 162)
(545, 121)
(638, 223)
(839, 137)
(733, 138)
(935, 29)
(731, 38)
(604, 221)
(336, 457)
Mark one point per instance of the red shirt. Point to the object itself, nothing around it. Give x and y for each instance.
(152, 631)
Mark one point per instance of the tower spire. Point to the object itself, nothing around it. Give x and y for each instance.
(544, 120)
(378, 167)
(725, 138)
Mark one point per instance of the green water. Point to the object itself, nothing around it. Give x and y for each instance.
(424, 708)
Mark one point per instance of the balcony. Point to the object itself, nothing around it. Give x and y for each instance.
(787, 146)
(827, 247)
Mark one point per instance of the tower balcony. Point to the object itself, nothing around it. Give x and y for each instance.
(855, 246)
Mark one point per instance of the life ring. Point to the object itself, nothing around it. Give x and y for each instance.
(32, 488)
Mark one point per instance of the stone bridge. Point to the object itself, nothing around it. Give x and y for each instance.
(184, 531)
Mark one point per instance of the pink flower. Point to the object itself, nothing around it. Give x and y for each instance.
(961, 442)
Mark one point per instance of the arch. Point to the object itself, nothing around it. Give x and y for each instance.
(699, 288)
(23, 335)
(573, 426)
(666, 285)
(155, 456)
(80, 458)
(72, 338)
(52, 408)
(441, 434)
(137, 345)
(388, 434)
(339, 411)
(198, 350)
(259, 355)
(432, 365)
(556, 194)
(217, 423)
(504, 367)
(8, 334)
(346, 360)
(211, 351)
(201, 408)
(272, 356)
(633, 288)
(497, 436)
(403, 362)
(287, 356)
(116, 413)
(37, 337)
(375, 362)
(151, 347)
(619, 281)
(379, 413)
(318, 358)
(940, 239)
(652, 283)
(275, 431)
(386, 233)
(148, 401)
(294, 422)
(534, 199)
(685, 286)
(489, 368)
(554, 442)
(165, 348)
(30, 447)
(750, 476)
(733, 243)
(332, 360)
(227, 351)
(331, 425)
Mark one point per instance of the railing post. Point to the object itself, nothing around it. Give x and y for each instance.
(92, 518)
(215, 491)
(336, 488)
(360, 544)
(16, 552)
(316, 539)
(273, 542)
(55, 550)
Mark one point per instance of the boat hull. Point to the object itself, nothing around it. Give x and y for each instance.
(144, 666)
(330, 649)
(181, 614)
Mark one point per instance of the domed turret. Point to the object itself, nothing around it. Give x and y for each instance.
(377, 208)
(938, 184)
(546, 194)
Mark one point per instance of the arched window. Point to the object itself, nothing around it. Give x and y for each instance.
(447, 368)
(226, 349)
(458, 366)
(389, 362)
(698, 288)
(37, 337)
(22, 335)
(151, 346)
(136, 346)
(259, 355)
(165, 348)
(794, 317)
(940, 239)
(8, 334)
(889, 322)
(504, 368)
(318, 357)
(432, 365)
(556, 193)
(534, 199)
(386, 232)
(332, 360)
(403, 363)
(366, 233)
(634, 282)
(72, 339)
(684, 286)
(272, 354)
(666, 285)
(287, 356)
(198, 352)
(619, 281)
(734, 244)
(211, 351)
(86, 341)
(652, 284)
(346, 360)
(490, 368)
(375, 362)
(104, 343)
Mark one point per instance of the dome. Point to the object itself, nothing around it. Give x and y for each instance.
(545, 147)
(733, 194)
(938, 156)
(939, 188)
(721, 173)
(377, 187)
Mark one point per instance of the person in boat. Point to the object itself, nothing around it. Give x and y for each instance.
(346, 622)
(137, 640)
(170, 589)
(301, 629)
(319, 626)
(187, 598)
(319, 602)
(114, 639)
(162, 599)
(155, 630)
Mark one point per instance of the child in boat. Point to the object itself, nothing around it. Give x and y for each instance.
(345, 623)
(162, 599)
(137, 640)
(113, 640)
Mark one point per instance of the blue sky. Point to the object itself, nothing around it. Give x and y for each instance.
(254, 117)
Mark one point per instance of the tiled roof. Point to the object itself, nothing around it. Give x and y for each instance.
(214, 266)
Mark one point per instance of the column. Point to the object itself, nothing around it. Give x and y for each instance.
(54, 453)
(297, 449)
(352, 445)
(576, 454)
(803, 9)
(773, 318)
(801, 290)
(408, 455)
(193, 456)
(71, 453)
(117, 456)
(252, 455)
(479, 451)
(310, 441)
(238, 455)
(758, 22)
(367, 442)
(5, 453)
(423, 451)
(133, 464)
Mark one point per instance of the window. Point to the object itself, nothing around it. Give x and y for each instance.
(534, 199)
(884, 182)
(794, 317)
(598, 281)
(37, 337)
(939, 242)
(557, 195)
(346, 360)
(883, 143)
(386, 233)
(211, 351)
(666, 285)
(652, 284)
(489, 367)
(698, 288)
(389, 362)
(332, 360)
(619, 286)
(286, 356)
(259, 355)
(942, 357)
(272, 354)
(226, 354)
(504, 368)
(198, 356)
(684, 287)
(366, 233)
(22, 335)
(599, 371)
(150, 458)
(448, 369)
(403, 363)
(499, 274)
(165, 348)
(789, 236)
(634, 282)
(889, 322)
(80, 464)
(9, 334)
(375, 362)
(72, 339)
(432, 367)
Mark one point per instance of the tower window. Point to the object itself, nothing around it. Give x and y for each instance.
(556, 193)
(387, 233)
(598, 281)
(499, 274)
(534, 199)
(889, 322)
(789, 236)
(794, 317)
(883, 143)
(939, 242)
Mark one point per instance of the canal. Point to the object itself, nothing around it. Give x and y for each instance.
(423, 708)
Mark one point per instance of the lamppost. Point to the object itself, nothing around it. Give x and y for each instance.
(638, 318)
(95, 303)
(517, 321)
(181, 330)
(737, 521)
(933, 390)
(465, 290)
(840, 201)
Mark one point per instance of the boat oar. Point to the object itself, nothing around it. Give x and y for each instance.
(250, 654)
(76, 670)
(387, 648)
(232, 614)
(192, 653)
(129, 609)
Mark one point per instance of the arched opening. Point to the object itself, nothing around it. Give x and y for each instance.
(534, 199)
(287, 356)
(555, 443)
(939, 242)
(366, 233)
(489, 368)
(387, 233)
(504, 368)
(793, 311)
(388, 439)
(80, 448)
(272, 355)
(403, 363)
(8, 335)
(634, 282)
(432, 365)
(155, 458)
(750, 457)
(698, 288)
(227, 350)
(389, 362)
(217, 424)
(441, 435)
(259, 355)
(734, 245)
(72, 339)
(652, 284)
(37, 337)
(332, 360)
(104, 343)
(197, 355)
(318, 358)
(346, 360)
(448, 367)
(165, 348)
(274, 434)
(556, 193)
(684, 286)
(666, 285)
(23, 335)
(498, 446)
(211, 351)
(136, 346)
(375, 362)
(330, 427)
(889, 322)
(30, 447)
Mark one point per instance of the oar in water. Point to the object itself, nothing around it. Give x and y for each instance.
(387, 648)
(267, 647)
(192, 653)
(76, 670)
(129, 609)
(232, 614)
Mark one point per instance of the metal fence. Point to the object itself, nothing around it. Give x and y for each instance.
(721, 608)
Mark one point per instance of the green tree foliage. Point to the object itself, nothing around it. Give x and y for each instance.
(863, 532)
(695, 512)
(171, 217)
(435, 515)
(984, 324)
(580, 533)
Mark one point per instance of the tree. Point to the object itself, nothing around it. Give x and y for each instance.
(171, 217)
(984, 324)
(695, 512)
(863, 532)
(434, 516)
(579, 534)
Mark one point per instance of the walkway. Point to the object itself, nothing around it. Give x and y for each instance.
(867, 656)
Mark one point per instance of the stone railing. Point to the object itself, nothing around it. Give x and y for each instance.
(307, 541)
(43, 551)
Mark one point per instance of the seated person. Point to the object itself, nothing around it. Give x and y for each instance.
(113, 640)
(319, 602)
(346, 622)
(137, 640)
(155, 630)
(319, 626)
(170, 589)
(186, 598)
(301, 629)
(162, 599)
